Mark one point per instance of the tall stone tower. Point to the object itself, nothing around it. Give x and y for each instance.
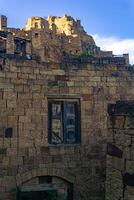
(3, 22)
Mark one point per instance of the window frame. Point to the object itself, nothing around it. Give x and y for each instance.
(63, 102)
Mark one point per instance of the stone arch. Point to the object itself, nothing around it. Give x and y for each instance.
(61, 173)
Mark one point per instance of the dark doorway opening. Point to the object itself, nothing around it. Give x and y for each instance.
(45, 188)
(38, 195)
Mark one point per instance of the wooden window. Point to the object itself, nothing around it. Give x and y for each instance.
(64, 121)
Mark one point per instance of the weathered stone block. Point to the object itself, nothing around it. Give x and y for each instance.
(129, 124)
(114, 151)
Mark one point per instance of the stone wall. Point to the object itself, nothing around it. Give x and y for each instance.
(120, 158)
(54, 37)
(25, 153)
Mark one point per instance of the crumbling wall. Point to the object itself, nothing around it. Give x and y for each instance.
(120, 150)
(55, 36)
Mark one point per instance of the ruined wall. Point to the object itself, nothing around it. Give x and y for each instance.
(120, 158)
(36, 23)
(52, 38)
(46, 45)
(55, 36)
(3, 22)
(25, 153)
(74, 38)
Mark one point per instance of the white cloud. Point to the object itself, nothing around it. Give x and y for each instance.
(118, 46)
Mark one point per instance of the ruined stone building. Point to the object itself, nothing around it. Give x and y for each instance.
(66, 114)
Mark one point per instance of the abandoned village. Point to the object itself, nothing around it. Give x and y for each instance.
(67, 114)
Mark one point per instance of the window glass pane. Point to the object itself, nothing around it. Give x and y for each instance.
(57, 133)
(70, 124)
(57, 130)
(70, 121)
(70, 135)
(70, 108)
(56, 110)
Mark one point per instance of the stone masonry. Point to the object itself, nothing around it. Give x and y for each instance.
(29, 163)
(120, 159)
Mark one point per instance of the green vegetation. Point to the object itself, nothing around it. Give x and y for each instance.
(85, 54)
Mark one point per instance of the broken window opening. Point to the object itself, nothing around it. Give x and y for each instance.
(8, 132)
(64, 121)
(36, 25)
(2, 46)
(1, 67)
(36, 35)
(20, 47)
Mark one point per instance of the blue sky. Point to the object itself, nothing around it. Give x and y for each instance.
(104, 19)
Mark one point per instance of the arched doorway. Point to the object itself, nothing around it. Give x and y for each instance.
(45, 188)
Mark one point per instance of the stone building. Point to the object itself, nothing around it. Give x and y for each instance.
(55, 89)
(120, 149)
